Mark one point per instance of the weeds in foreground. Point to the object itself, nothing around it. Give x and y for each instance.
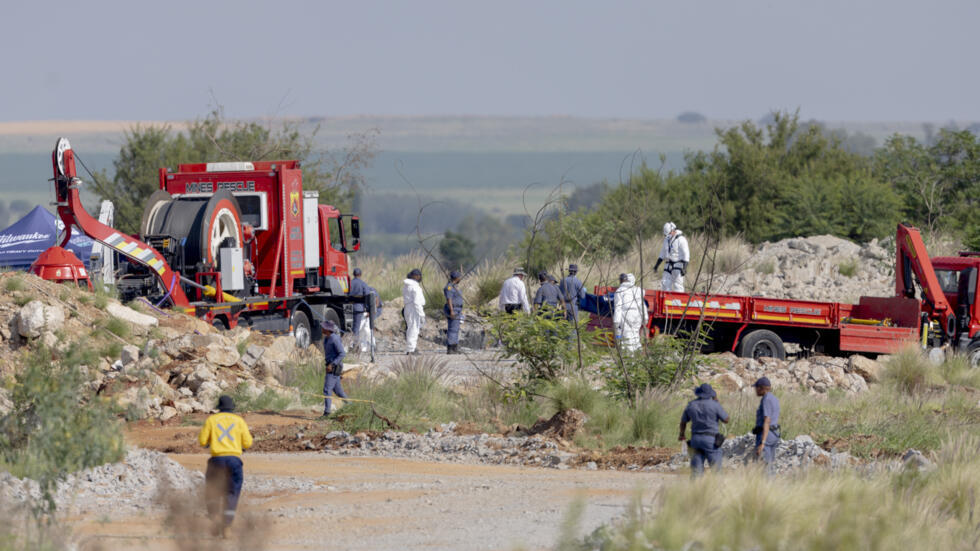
(814, 510)
(13, 284)
(267, 400)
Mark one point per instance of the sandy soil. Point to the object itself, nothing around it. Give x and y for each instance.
(383, 503)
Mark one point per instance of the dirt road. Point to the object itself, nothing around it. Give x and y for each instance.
(381, 503)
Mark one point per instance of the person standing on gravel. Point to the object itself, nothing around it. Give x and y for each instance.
(676, 254)
(453, 311)
(630, 313)
(704, 413)
(513, 293)
(333, 357)
(766, 428)
(414, 298)
(227, 435)
(360, 327)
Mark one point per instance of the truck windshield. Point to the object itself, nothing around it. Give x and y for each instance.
(949, 280)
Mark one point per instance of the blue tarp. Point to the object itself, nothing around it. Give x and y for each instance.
(24, 240)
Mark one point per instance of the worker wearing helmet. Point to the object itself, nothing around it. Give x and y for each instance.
(629, 313)
(414, 312)
(361, 326)
(454, 312)
(676, 255)
(227, 435)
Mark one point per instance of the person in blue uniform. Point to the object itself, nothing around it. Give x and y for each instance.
(333, 357)
(574, 290)
(766, 428)
(454, 312)
(704, 413)
(358, 288)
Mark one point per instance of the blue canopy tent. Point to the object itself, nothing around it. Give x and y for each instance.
(24, 240)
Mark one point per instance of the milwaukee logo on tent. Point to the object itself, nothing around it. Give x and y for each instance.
(23, 239)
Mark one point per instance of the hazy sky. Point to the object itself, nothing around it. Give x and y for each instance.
(835, 60)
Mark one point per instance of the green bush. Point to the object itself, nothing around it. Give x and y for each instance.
(56, 427)
(848, 267)
(267, 400)
(540, 343)
(910, 371)
(117, 327)
(655, 365)
(13, 284)
(767, 267)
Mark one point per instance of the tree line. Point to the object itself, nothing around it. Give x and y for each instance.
(776, 180)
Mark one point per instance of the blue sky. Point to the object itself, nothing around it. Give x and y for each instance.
(835, 60)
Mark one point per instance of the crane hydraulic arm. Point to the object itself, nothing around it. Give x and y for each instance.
(72, 212)
(912, 258)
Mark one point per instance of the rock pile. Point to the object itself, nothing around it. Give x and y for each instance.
(816, 375)
(133, 483)
(791, 455)
(822, 267)
(446, 444)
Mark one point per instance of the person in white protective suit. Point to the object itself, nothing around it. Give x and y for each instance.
(414, 312)
(676, 255)
(629, 313)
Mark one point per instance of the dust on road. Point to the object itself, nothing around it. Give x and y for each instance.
(380, 503)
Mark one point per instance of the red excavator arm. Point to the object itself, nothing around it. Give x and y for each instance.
(72, 212)
(913, 259)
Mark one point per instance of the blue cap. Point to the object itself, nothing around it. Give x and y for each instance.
(329, 326)
(455, 274)
(705, 391)
(415, 272)
(357, 272)
(573, 268)
(763, 381)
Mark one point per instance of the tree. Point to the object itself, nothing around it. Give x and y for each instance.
(457, 251)
(148, 148)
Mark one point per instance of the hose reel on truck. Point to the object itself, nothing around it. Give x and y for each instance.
(193, 230)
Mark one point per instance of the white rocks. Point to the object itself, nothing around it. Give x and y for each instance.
(5, 404)
(818, 374)
(252, 355)
(129, 315)
(130, 355)
(868, 369)
(208, 393)
(167, 413)
(36, 316)
(224, 356)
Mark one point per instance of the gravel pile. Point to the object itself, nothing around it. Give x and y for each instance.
(446, 445)
(822, 267)
(791, 455)
(133, 483)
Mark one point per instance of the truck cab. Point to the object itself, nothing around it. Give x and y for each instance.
(957, 277)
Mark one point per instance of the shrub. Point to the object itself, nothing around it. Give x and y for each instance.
(55, 426)
(267, 400)
(13, 284)
(117, 327)
(540, 343)
(655, 365)
(766, 267)
(848, 267)
(910, 371)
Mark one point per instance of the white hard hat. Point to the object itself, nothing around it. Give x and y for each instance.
(669, 227)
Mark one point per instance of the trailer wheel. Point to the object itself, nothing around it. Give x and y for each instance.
(762, 343)
(301, 329)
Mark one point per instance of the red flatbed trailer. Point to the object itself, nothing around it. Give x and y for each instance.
(747, 324)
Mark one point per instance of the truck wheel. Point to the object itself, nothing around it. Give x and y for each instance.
(219, 324)
(762, 343)
(301, 329)
(973, 353)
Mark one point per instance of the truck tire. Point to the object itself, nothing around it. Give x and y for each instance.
(220, 324)
(762, 343)
(973, 353)
(301, 329)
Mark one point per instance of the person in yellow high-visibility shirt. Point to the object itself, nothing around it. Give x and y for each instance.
(227, 435)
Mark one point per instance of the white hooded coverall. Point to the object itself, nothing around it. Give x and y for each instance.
(414, 313)
(629, 313)
(674, 250)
